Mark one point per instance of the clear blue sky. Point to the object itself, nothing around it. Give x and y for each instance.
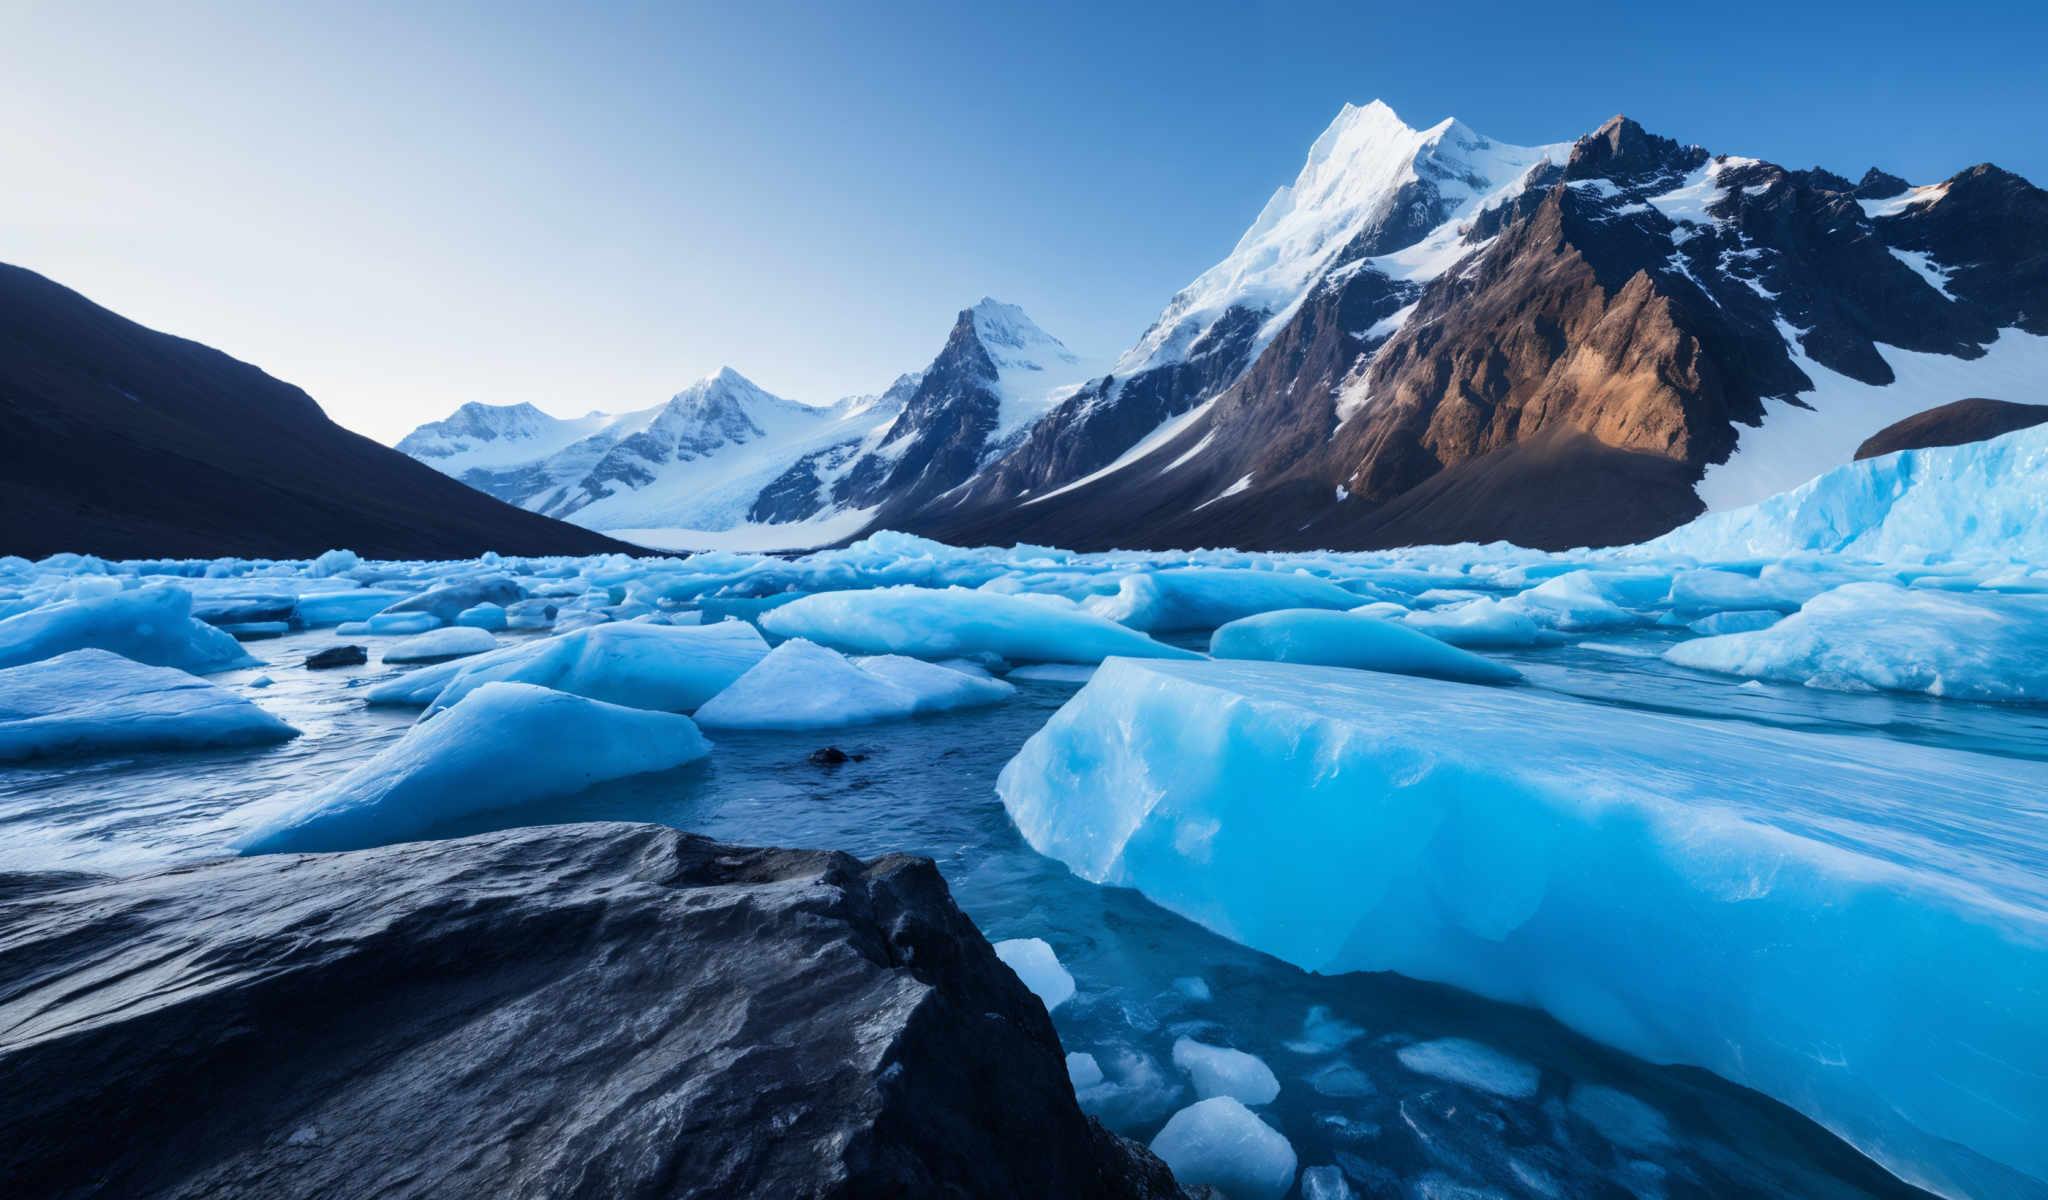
(405, 208)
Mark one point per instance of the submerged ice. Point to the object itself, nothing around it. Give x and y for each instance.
(1771, 905)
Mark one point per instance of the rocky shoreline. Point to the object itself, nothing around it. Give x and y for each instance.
(578, 1010)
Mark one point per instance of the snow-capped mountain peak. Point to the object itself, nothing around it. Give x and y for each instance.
(1034, 370)
(1372, 184)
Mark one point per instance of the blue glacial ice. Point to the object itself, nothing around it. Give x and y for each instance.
(802, 685)
(447, 601)
(94, 701)
(342, 607)
(483, 616)
(1347, 639)
(947, 622)
(451, 641)
(666, 668)
(1771, 905)
(1980, 501)
(505, 744)
(1221, 1143)
(151, 625)
(1203, 598)
(1864, 636)
(938, 687)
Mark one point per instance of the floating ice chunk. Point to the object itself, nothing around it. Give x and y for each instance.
(450, 599)
(483, 616)
(1878, 635)
(1620, 1117)
(1697, 593)
(1344, 639)
(453, 641)
(94, 701)
(1457, 1060)
(1219, 1142)
(506, 744)
(1083, 1071)
(1203, 598)
(530, 614)
(1739, 621)
(334, 562)
(1324, 1183)
(941, 623)
(403, 622)
(1035, 963)
(153, 626)
(1221, 1071)
(937, 688)
(1135, 1091)
(1322, 1032)
(660, 667)
(1194, 987)
(800, 685)
(1480, 623)
(1768, 904)
(1586, 600)
(1340, 1079)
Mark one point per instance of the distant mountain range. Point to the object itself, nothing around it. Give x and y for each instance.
(1428, 336)
(124, 442)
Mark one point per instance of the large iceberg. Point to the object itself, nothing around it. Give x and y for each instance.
(1977, 501)
(1882, 636)
(955, 621)
(1772, 905)
(153, 626)
(1347, 639)
(93, 701)
(506, 744)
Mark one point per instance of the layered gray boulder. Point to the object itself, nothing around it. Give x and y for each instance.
(588, 1010)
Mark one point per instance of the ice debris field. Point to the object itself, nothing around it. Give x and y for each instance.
(1444, 864)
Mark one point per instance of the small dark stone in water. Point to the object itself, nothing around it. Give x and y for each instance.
(832, 756)
(337, 656)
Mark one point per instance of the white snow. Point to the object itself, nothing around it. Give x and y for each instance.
(1034, 370)
(1035, 963)
(1914, 197)
(1234, 489)
(1795, 444)
(1350, 180)
(1925, 267)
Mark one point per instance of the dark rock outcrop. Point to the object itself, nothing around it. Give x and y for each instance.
(121, 441)
(337, 656)
(1958, 424)
(594, 1010)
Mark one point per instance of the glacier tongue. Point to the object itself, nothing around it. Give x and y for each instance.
(1771, 905)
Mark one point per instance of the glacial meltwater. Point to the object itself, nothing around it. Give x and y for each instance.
(1386, 1085)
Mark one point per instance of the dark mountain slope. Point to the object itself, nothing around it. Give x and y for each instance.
(1958, 424)
(124, 442)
